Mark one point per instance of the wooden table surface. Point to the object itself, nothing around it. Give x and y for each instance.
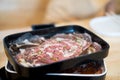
(112, 60)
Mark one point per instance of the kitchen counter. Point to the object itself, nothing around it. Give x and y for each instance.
(112, 60)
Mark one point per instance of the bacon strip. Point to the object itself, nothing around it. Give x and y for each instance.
(57, 48)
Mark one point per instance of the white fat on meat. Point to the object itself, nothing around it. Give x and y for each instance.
(59, 39)
(50, 54)
(22, 50)
(70, 52)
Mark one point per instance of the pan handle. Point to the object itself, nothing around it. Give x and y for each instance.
(42, 26)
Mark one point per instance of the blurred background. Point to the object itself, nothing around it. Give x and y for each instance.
(94, 15)
(22, 13)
